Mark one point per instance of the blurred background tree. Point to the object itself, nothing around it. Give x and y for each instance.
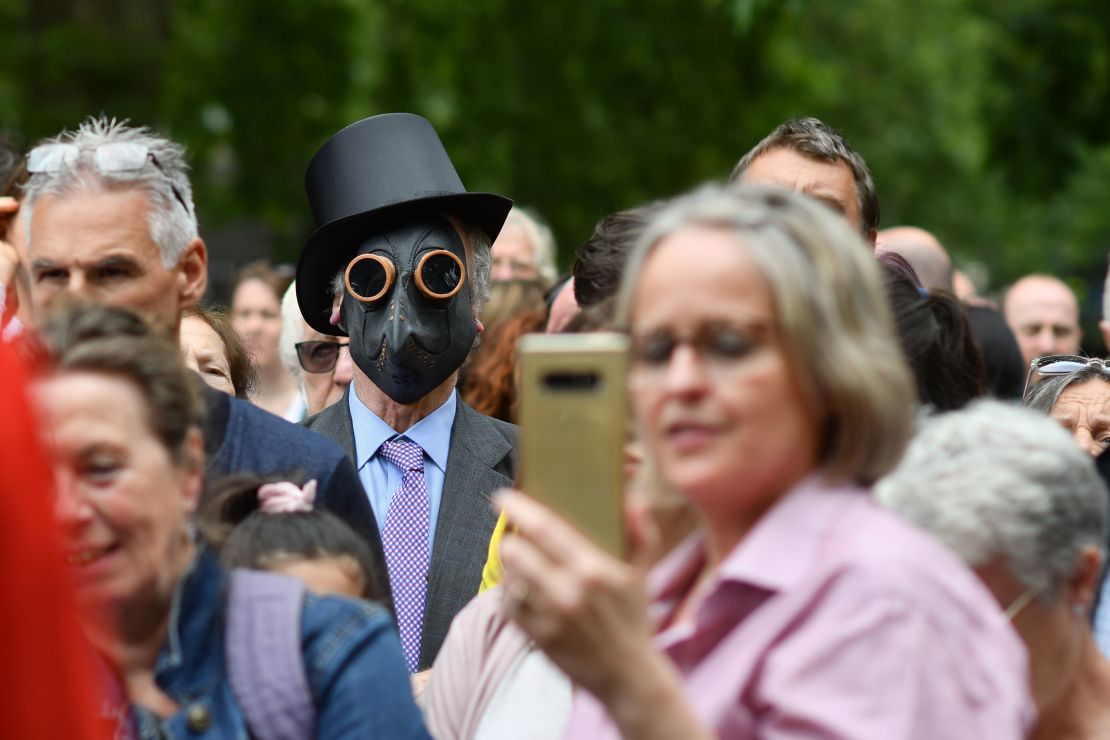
(982, 121)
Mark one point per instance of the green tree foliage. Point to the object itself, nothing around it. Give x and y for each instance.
(982, 121)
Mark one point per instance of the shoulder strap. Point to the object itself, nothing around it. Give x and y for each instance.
(265, 662)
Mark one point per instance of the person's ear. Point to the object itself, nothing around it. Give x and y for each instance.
(481, 326)
(192, 273)
(1085, 583)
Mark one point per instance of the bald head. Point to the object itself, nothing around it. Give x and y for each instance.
(922, 250)
(1044, 316)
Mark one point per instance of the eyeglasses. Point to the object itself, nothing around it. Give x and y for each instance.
(318, 356)
(1018, 604)
(719, 345)
(115, 156)
(1061, 365)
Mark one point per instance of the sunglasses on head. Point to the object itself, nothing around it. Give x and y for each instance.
(319, 356)
(115, 156)
(1061, 365)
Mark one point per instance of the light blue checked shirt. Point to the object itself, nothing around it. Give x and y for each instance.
(381, 478)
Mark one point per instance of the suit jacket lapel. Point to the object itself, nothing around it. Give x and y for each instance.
(335, 422)
(466, 521)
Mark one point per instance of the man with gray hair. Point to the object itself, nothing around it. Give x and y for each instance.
(1010, 493)
(109, 217)
(400, 264)
(809, 156)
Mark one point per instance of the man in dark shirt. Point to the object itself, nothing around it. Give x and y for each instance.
(109, 217)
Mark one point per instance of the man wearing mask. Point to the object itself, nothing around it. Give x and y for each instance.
(406, 250)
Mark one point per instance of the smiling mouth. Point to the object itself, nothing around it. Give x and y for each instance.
(85, 556)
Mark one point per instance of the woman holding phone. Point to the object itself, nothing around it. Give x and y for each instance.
(769, 390)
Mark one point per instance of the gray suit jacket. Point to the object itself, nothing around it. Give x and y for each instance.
(482, 458)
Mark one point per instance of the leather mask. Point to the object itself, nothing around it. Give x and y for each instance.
(406, 308)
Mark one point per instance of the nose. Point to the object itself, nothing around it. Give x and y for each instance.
(344, 368)
(686, 373)
(71, 508)
(1044, 341)
(251, 323)
(77, 284)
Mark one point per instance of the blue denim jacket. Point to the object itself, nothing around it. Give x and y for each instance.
(352, 657)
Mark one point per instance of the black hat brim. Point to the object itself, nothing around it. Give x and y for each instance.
(330, 247)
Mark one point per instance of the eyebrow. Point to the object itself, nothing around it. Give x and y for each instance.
(203, 355)
(829, 201)
(117, 260)
(112, 260)
(41, 264)
(1065, 415)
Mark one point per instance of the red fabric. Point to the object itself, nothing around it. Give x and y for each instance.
(46, 685)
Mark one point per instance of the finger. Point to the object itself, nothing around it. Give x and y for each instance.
(550, 585)
(642, 532)
(559, 541)
(8, 204)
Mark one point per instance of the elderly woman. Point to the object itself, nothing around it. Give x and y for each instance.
(212, 348)
(320, 364)
(1010, 494)
(122, 412)
(1079, 399)
(769, 390)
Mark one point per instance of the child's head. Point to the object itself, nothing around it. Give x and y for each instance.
(272, 526)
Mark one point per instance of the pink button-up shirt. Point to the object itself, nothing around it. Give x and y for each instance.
(834, 618)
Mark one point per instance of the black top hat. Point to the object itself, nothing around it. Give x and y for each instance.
(368, 176)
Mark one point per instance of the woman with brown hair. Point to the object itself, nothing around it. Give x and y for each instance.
(491, 382)
(256, 316)
(124, 415)
(213, 349)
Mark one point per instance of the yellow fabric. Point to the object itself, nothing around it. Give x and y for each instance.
(491, 573)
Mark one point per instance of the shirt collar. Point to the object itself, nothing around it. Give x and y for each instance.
(432, 433)
(190, 640)
(783, 546)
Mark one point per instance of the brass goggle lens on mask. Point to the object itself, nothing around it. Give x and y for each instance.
(439, 274)
(369, 277)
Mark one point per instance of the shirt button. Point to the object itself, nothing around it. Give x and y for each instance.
(198, 719)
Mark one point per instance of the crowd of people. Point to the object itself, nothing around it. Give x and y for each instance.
(861, 500)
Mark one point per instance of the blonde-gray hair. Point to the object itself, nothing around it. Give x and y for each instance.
(832, 314)
(542, 240)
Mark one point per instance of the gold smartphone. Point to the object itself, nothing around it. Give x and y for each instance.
(573, 426)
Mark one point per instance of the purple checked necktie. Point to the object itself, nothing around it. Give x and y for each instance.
(405, 541)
